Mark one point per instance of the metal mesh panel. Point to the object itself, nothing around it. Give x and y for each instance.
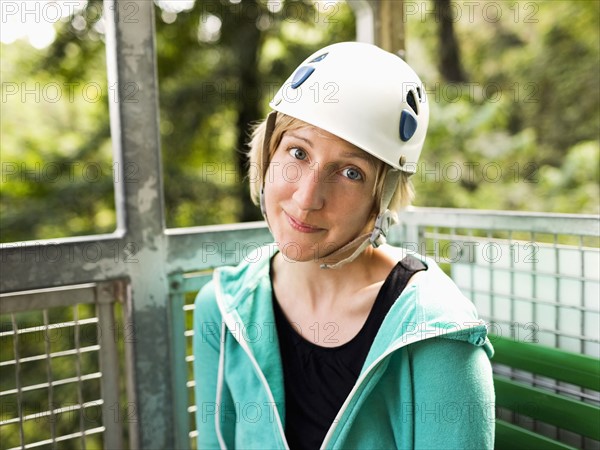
(184, 290)
(54, 384)
(533, 287)
(189, 359)
(189, 308)
(53, 375)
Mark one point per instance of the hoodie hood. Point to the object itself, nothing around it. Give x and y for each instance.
(430, 307)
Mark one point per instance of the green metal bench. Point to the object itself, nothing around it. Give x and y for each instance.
(562, 411)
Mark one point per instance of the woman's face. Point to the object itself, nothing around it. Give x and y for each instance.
(318, 193)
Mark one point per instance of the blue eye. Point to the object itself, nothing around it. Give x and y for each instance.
(352, 174)
(298, 153)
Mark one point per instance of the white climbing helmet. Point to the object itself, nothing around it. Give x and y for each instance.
(364, 95)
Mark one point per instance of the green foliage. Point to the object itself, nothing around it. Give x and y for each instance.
(56, 153)
(509, 137)
(574, 184)
(218, 66)
(520, 134)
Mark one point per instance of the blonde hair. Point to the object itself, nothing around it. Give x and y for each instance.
(402, 198)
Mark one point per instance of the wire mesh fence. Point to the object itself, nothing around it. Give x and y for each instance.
(528, 283)
(60, 383)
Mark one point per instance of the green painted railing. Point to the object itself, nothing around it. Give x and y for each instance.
(542, 404)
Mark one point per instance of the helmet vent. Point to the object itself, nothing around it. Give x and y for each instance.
(319, 58)
(412, 102)
(419, 93)
(408, 125)
(301, 75)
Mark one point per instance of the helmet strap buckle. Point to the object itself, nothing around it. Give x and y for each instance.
(382, 225)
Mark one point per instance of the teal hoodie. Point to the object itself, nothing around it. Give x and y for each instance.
(426, 382)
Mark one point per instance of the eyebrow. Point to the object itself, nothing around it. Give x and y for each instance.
(361, 154)
(358, 153)
(292, 134)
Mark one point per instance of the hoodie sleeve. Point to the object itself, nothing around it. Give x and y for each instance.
(453, 394)
(206, 345)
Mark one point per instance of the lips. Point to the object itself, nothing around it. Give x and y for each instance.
(302, 227)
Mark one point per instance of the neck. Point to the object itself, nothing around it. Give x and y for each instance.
(324, 288)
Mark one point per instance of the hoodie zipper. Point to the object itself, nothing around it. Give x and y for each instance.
(230, 323)
(359, 383)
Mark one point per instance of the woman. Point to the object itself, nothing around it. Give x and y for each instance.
(330, 339)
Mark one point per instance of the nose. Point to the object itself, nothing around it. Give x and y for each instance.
(309, 192)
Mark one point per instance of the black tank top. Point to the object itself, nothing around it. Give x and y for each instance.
(318, 379)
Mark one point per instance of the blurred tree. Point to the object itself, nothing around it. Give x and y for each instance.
(531, 99)
(449, 65)
(56, 155)
(218, 62)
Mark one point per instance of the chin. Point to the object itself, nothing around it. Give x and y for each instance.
(294, 252)
(317, 252)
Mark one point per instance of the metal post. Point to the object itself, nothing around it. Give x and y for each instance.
(131, 61)
(381, 22)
